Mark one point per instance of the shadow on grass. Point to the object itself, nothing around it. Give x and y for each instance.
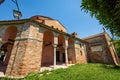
(5, 78)
(117, 67)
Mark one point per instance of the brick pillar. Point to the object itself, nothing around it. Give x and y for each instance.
(115, 62)
(26, 53)
(85, 52)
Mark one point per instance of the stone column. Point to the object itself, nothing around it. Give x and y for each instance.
(66, 52)
(66, 55)
(55, 46)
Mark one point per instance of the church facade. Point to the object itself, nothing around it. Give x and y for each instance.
(29, 44)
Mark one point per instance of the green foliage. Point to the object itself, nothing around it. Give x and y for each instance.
(79, 72)
(36, 75)
(116, 43)
(106, 11)
(6, 78)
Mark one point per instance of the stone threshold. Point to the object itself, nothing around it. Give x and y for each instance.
(52, 67)
(43, 68)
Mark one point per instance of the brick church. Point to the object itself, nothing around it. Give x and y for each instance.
(27, 45)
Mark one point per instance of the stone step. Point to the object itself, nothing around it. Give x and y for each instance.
(2, 74)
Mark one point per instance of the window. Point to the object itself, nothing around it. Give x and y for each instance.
(96, 48)
(80, 45)
(80, 52)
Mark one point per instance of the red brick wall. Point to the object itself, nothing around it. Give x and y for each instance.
(26, 53)
(71, 51)
(47, 49)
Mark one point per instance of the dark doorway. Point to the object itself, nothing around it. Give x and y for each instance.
(63, 57)
(57, 56)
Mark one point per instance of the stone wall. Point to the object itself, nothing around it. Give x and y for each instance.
(80, 53)
(71, 51)
(99, 49)
(76, 51)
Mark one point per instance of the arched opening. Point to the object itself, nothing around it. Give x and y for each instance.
(7, 44)
(47, 50)
(71, 51)
(60, 54)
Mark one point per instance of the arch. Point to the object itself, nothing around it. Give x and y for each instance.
(71, 51)
(10, 34)
(8, 42)
(60, 54)
(61, 41)
(47, 49)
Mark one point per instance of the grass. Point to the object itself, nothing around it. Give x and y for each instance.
(78, 72)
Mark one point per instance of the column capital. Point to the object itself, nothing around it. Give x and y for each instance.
(55, 34)
(65, 47)
(1, 41)
(77, 42)
(66, 37)
(54, 45)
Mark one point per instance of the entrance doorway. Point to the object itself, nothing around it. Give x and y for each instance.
(60, 57)
(63, 57)
(57, 56)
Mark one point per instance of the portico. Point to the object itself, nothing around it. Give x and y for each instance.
(43, 42)
(54, 49)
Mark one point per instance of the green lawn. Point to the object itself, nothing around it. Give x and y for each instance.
(78, 72)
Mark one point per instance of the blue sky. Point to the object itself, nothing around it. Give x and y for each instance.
(68, 12)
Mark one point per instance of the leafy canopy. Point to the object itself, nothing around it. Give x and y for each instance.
(106, 11)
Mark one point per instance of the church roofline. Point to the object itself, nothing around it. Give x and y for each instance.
(43, 25)
(96, 35)
(48, 19)
(64, 33)
(13, 21)
(42, 16)
(61, 23)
